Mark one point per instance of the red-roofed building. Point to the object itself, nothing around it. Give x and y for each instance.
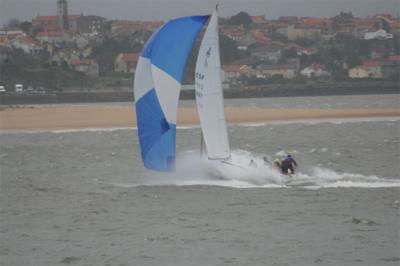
(81, 62)
(239, 69)
(382, 68)
(50, 27)
(394, 58)
(232, 73)
(53, 36)
(8, 35)
(45, 22)
(371, 63)
(128, 25)
(314, 21)
(364, 22)
(87, 66)
(126, 63)
(73, 22)
(368, 69)
(303, 31)
(286, 71)
(258, 19)
(52, 22)
(358, 72)
(233, 32)
(45, 19)
(61, 21)
(260, 36)
(394, 27)
(28, 45)
(387, 15)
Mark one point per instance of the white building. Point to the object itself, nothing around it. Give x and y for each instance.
(379, 34)
(87, 66)
(315, 70)
(4, 32)
(28, 45)
(268, 53)
(369, 69)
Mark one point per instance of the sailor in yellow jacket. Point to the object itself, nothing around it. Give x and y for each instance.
(278, 163)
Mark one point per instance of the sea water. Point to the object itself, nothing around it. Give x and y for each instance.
(84, 198)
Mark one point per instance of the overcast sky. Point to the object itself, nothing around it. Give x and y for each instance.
(166, 9)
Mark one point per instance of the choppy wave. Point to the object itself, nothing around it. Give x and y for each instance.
(238, 173)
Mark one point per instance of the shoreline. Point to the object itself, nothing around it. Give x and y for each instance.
(307, 89)
(75, 117)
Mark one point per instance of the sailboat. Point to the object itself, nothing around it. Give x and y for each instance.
(157, 84)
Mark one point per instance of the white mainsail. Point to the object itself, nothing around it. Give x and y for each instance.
(209, 94)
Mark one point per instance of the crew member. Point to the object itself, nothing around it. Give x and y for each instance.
(288, 164)
(278, 163)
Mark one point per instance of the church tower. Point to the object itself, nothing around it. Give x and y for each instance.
(62, 12)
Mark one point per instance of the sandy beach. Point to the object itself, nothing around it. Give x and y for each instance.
(99, 116)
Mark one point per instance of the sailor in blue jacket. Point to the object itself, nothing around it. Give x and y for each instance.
(288, 164)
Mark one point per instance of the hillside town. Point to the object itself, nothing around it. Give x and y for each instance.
(57, 51)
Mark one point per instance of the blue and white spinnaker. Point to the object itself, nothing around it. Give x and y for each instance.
(157, 84)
